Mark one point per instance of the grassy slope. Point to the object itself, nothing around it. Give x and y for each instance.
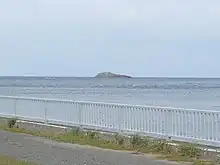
(185, 152)
(6, 160)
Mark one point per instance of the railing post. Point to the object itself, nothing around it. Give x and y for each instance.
(168, 123)
(45, 112)
(15, 107)
(80, 115)
(120, 118)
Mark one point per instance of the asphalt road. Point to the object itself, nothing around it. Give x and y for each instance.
(47, 152)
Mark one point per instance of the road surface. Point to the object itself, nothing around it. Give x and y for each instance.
(47, 152)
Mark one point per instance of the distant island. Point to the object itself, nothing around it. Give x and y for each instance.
(111, 75)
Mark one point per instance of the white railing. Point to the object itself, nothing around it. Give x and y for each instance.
(200, 126)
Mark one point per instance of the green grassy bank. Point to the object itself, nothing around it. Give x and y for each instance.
(6, 160)
(161, 148)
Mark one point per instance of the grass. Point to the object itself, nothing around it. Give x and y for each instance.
(185, 152)
(6, 160)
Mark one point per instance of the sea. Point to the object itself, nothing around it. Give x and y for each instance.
(190, 93)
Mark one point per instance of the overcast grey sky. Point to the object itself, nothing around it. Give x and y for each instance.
(135, 37)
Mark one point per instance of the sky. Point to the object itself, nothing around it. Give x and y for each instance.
(147, 38)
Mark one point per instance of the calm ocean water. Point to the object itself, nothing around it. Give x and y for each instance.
(197, 93)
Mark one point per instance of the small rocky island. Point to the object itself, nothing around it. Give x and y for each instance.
(111, 75)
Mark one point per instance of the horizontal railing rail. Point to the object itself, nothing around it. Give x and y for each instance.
(104, 103)
(190, 125)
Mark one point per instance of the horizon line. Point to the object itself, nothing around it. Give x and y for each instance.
(29, 76)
